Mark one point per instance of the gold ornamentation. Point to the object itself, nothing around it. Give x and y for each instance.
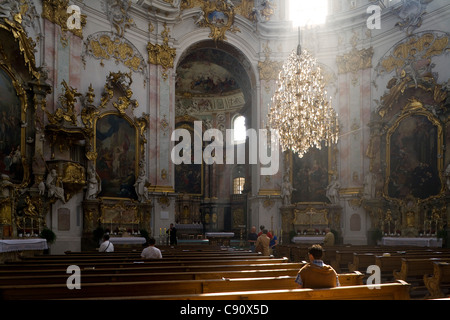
(246, 8)
(238, 218)
(104, 46)
(355, 60)
(414, 48)
(164, 201)
(162, 55)
(119, 213)
(26, 44)
(269, 70)
(55, 11)
(117, 95)
(67, 112)
(219, 17)
(311, 219)
(164, 174)
(268, 10)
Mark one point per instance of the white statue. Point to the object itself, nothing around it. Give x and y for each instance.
(332, 192)
(6, 186)
(369, 185)
(52, 184)
(41, 187)
(447, 175)
(140, 185)
(286, 191)
(94, 185)
(200, 19)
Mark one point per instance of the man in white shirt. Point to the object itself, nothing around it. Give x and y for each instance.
(106, 245)
(151, 252)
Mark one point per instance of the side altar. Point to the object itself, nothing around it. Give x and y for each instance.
(308, 221)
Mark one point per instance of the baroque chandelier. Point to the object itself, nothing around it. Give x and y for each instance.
(300, 111)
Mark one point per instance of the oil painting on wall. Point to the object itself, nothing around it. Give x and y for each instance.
(413, 157)
(189, 177)
(10, 130)
(116, 160)
(310, 176)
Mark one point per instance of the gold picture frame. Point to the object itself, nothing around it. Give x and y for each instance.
(113, 122)
(426, 133)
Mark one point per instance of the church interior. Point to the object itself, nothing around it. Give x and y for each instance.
(123, 117)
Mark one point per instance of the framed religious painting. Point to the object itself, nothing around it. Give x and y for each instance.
(414, 156)
(189, 177)
(12, 128)
(310, 175)
(116, 144)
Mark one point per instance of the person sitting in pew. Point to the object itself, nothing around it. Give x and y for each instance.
(316, 274)
(106, 245)
(151, 252)
(262, 243)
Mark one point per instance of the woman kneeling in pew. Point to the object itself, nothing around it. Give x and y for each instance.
(316, 274)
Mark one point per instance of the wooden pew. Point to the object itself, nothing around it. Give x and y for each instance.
(140, 268)
(361, 261)
(439, 280)
(147, 276)
(415, 268)
(113, 259)
(160, 262)
(132, 288)
(159, 287)
(389, 264)
(387, 291)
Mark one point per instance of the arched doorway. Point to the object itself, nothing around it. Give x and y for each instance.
(214, 85)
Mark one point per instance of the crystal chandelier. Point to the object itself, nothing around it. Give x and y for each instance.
(301, 112)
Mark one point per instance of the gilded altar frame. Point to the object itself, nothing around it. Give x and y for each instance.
(415, 108)
(22, 98)
(117, 106)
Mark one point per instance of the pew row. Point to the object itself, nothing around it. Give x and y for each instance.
(142, 268)
(140, 262)
(345, 279)
(141, 288)
(398, 290)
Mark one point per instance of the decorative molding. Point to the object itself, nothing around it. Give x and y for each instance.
(118, 16)
(355, 60)
(26, 44)
(67, 110)
(269, 70)
(414, 48)
(256, 11)
(106, 46)
(219, 17)
(55, 11)
(162, 55)
(411, 14)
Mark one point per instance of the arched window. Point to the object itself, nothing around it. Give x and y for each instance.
(238, 185)
(239, 130)
(238, 179)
